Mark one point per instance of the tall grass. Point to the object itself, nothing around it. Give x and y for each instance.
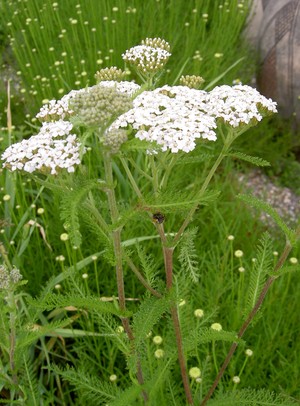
(57, 46)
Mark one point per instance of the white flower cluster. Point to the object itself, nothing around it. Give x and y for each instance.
(170, 116)
(57, 109)
(146, 58)
(126, 87)
(176, 116)
(239, 104)
(52, 148)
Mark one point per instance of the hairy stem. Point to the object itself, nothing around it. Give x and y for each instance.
(116, 236)
(168, 259)
(249, 319)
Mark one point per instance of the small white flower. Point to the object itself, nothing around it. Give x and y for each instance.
(236, 379)
(249, 352)
(124, 86)
(293, 260)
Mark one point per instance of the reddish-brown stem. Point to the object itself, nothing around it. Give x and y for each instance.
(168, 259)
(250, 317)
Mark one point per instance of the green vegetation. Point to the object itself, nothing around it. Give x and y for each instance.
(59, 46)
(59, 343)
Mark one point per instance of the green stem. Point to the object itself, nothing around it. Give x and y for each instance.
(154, 174)
(131, 178)
(201, 192)
(12, 334)
(116, 236)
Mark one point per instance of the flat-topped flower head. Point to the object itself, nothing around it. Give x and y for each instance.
(112, 73)
(172, 117)
(239, 105)
(98, 105)
(148, 59)
(57, 109)
(52, 149)
(129, 88)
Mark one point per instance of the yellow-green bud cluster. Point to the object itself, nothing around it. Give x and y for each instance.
(98, 106)
(112, 73)
(148, 59)
(9, 278)
(157, 43)
(191, 81)
(114, 139)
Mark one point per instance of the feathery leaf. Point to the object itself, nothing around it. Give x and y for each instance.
(188, 255)
(261, 267)
(260, 204)
(248, 158)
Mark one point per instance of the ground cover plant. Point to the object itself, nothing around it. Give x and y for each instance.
(56, 46)
(152, 289)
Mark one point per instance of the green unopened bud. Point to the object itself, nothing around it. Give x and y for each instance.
(99, 106)
(191, 81)
(114, 139)
(157, 43)
(112, 73)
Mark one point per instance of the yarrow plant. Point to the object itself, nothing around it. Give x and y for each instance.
(119, 122)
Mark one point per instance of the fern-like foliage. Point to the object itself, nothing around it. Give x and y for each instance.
(188, 254)
(70, 201)
(30, 386)
(90, 303)
(149, 313)
(285, 269)
(248, 158)
(183, 160)
(127, 397)
(207, 335)
(261, 268)
(148, 265)
(169, 201)
(260, 204)
(251, 397)
(89, 389)
(31, 333)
